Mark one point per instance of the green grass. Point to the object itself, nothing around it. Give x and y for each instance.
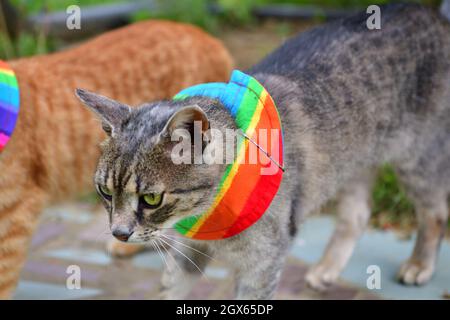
(188, 11)
(388, 195)
(25, 45)
(391, 206)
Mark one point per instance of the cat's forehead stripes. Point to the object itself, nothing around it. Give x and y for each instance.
(130, 186)
(129, 182)
(120, 176)
(122, 171)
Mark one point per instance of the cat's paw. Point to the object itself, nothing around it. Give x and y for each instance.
(320, 278)
(414, 273)
(121, 249)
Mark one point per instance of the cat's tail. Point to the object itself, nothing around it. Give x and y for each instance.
(445, 9)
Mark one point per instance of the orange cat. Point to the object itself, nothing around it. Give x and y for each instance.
(50, 155)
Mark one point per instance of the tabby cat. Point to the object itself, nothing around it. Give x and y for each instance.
(52, 152)
(349, 99)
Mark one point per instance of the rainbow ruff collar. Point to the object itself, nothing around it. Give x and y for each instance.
(245, 191)
(9, 103)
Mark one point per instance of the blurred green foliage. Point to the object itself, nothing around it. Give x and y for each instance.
(388, 196)
(240, 10)
(28, 44)
(188, 11)
(196, 11)
(25, 45)
(34, 6)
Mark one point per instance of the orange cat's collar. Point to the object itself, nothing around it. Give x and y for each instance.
(9, 103)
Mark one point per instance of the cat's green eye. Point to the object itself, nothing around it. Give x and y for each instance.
(152, 200)
(105, 192)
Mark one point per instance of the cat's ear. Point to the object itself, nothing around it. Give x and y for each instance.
(111, 112)
(188, 118)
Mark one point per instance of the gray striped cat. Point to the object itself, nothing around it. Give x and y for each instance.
(350, 99)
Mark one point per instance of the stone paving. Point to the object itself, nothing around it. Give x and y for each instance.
(75, 234)
(384, 249)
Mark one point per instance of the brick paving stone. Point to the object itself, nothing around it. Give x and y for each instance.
(366, 296)
(64, 239)
(47, 232)
(292, 280)
(46, 268)
(339, 292)
(203, 289)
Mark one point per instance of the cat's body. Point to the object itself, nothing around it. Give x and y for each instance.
(355, 99)
(53, 150)
(349, 99)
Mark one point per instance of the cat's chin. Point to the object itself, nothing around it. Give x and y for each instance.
(140, 241)
(122, 249)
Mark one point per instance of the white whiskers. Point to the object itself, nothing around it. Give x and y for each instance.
(187, 246)
(189, 259)
(161, 254)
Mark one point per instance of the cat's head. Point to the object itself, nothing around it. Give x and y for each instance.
(143, 189)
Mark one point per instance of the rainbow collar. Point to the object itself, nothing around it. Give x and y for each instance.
(244, 192)
(9, 103)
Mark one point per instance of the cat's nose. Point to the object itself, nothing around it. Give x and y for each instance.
(122, 233)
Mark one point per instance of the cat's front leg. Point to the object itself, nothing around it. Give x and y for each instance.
(353, 212)
(258, 282)
(185, 263)
(258, 265)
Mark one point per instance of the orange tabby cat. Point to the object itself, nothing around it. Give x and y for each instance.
(50, 155)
